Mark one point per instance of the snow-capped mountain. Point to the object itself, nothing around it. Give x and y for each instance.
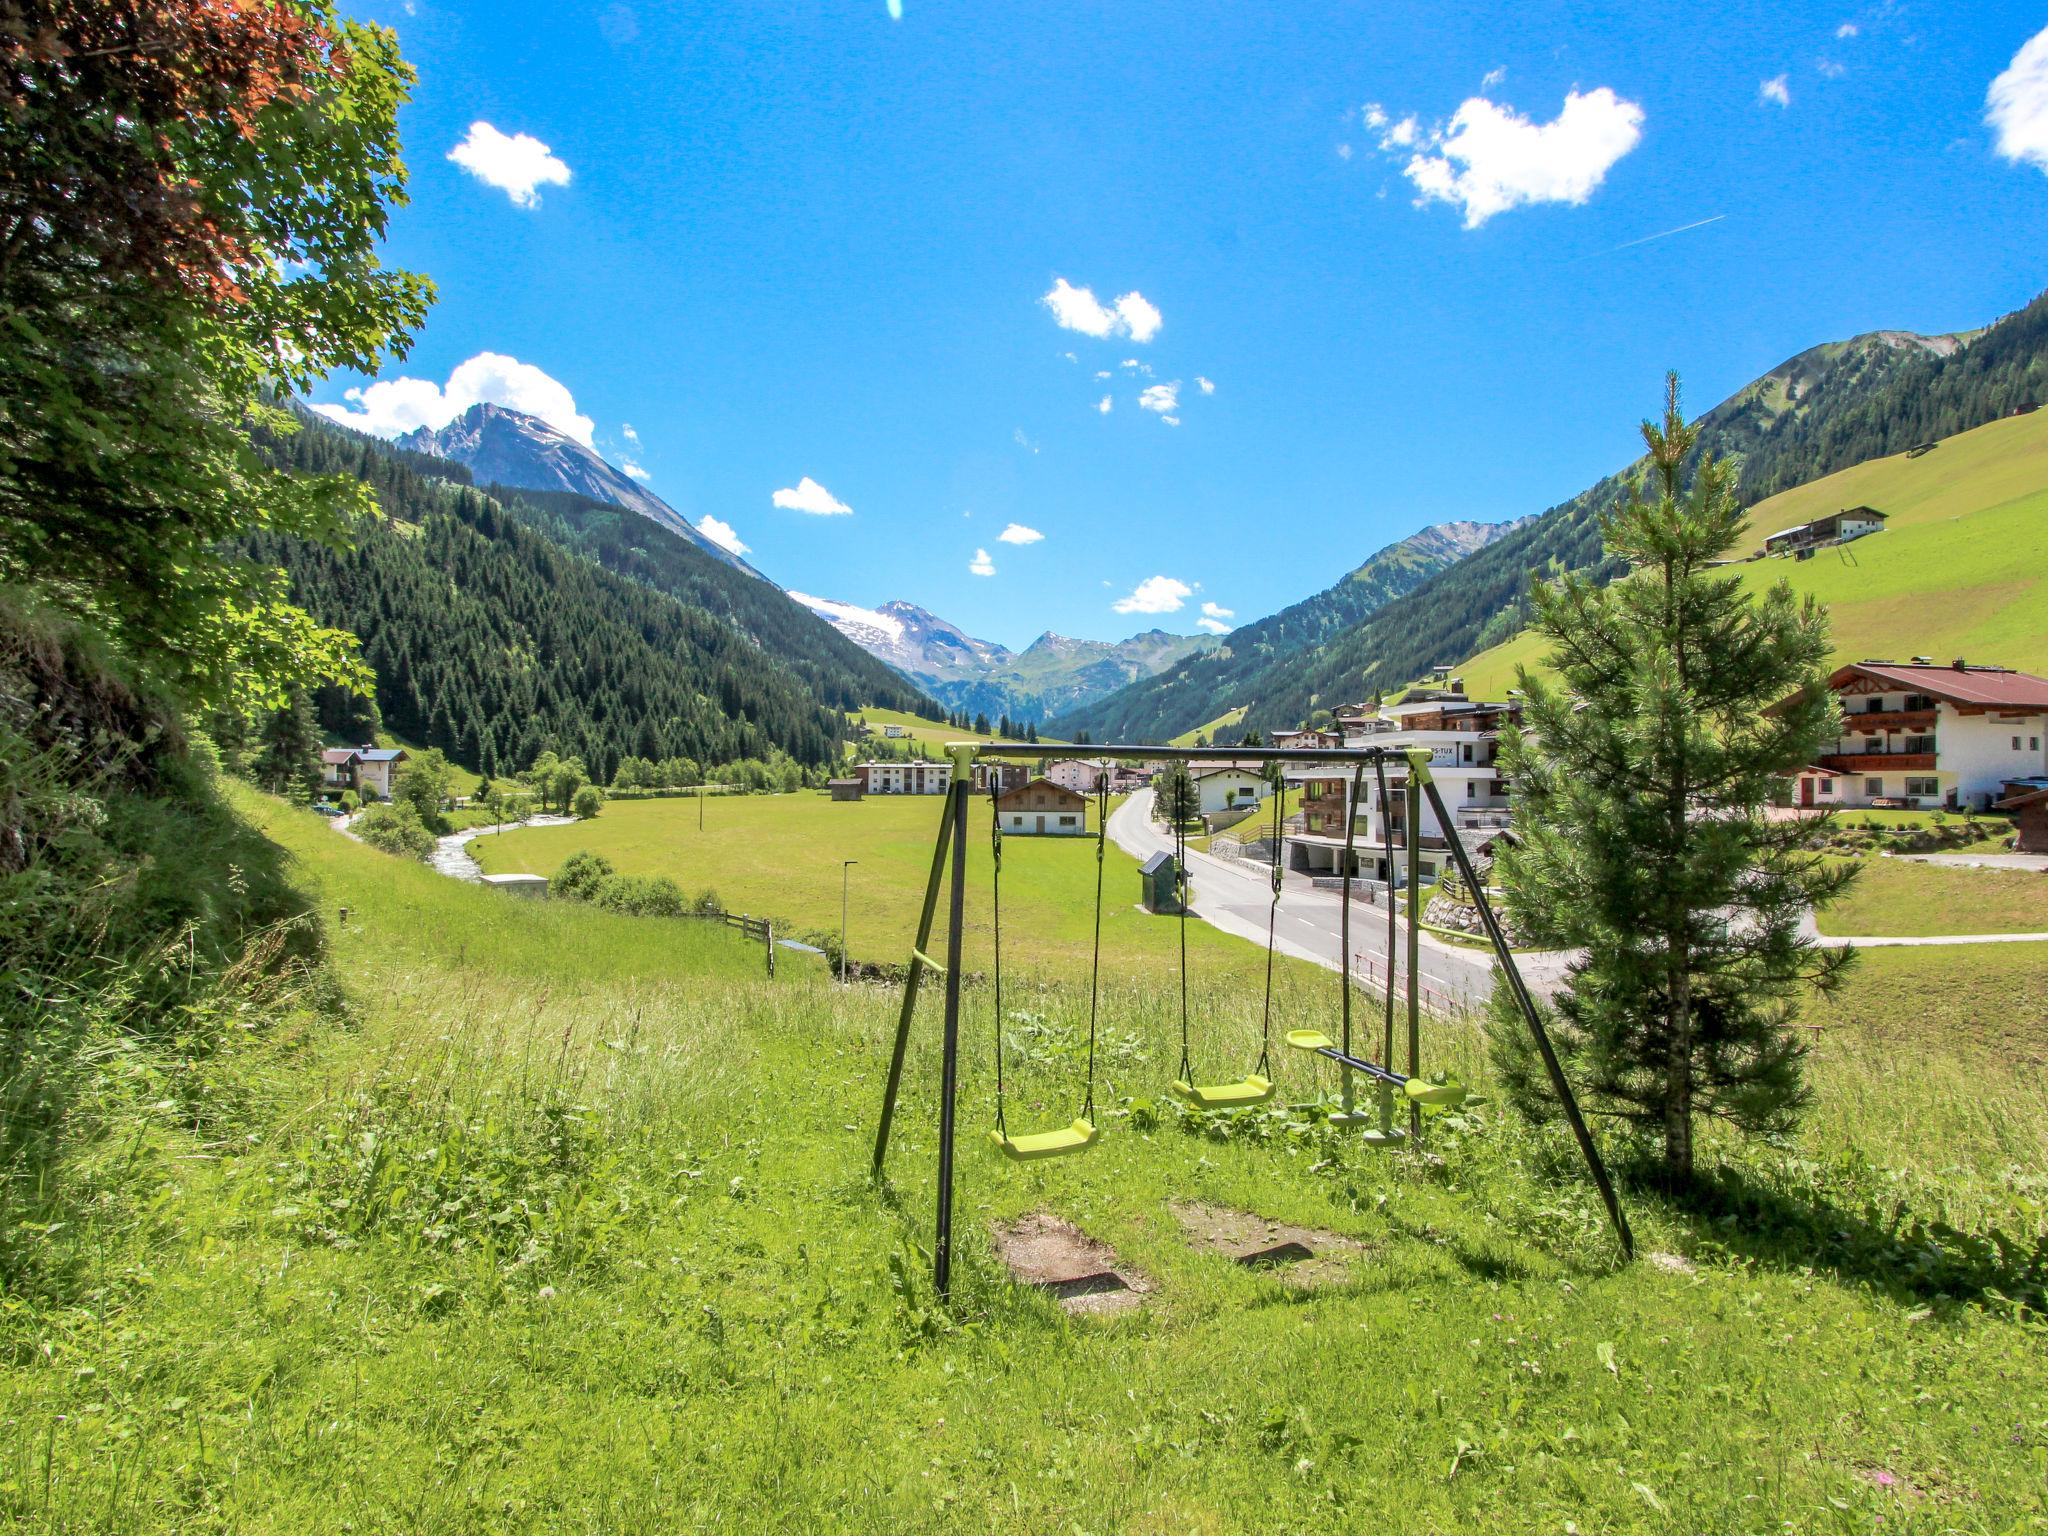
(1054, 672)
(500, 446)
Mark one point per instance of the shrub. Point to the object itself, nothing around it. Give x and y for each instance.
(641, 895)
(580, 876)
(708, 904)
(350, 801)
(589, 799)
(395, 827)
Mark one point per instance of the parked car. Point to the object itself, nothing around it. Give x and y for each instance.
(326, 808)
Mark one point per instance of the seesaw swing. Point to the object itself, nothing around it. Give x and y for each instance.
(1256, 1086)
(1378, 1125)
(1081, 1134)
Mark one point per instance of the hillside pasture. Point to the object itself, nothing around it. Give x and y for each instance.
(1961, 568)
(554, 1229)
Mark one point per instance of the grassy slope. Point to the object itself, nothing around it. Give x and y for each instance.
(1900, 897)
(1960, 570)
(779, 856)
(928, 735)
(570, 1230)
(1222, 722)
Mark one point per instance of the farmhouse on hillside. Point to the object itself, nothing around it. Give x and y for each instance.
(1042, 809)
(1836, 528)
(367, 770)
(1924, 736)
(1080, 775)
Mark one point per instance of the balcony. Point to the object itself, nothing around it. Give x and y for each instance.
(1889, 720)
(1878, 762)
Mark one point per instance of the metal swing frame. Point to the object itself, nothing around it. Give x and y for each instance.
(949, 870)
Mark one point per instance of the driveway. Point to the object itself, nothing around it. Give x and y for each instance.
(1234, 896)
(2038, 862)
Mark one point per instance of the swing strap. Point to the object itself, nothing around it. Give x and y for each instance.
(1265, 1067)
(995, 841)
(1095, 964)
(1180, 892)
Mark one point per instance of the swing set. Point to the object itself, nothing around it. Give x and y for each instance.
(1376, 1124)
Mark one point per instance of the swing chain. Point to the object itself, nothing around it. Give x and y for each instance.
(995, 839)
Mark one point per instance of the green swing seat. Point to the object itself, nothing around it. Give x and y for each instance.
(1253, 1090)
(1033, 1145)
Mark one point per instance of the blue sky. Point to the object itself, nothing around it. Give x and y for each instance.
(812, 242)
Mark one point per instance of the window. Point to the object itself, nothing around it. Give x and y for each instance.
(1872, 744)
(1066, 821)
(1922, 789)
(2015, 743)
(1827, 786)
(1873, 786)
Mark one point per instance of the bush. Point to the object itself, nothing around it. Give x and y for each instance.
(708, 905)
(395, 827)
(580, 876)
(642, 895)
(589, 799)
(350, 801)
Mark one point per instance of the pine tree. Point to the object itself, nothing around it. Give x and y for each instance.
(1178, 801)
(288, 749)
(1642, 778)
(981, 725)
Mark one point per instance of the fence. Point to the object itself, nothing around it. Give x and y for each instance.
(1371, 974)
(762, 928)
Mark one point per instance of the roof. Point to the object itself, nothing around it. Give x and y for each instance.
(1979, 686)
(842, 781)
(2031, 797)
(380, 754)
(1160, 860)
(337, 754)
(1058, 789)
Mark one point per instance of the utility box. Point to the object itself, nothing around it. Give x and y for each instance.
(1160, 878)
(519, 885)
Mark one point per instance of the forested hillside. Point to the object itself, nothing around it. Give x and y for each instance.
(491, 641)
(620, 539)
(1828, 408)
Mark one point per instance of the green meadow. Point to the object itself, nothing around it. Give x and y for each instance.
(1961, 568)
(927, 735)
(530, 1217)
(1898, 897)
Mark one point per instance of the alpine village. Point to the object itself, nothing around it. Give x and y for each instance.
(1456, 938)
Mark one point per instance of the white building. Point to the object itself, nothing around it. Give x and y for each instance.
(1462, 736)
(1836, 528)
(1081, 775)
(916, 778)
(1924, 735)
(1042, 808)
(1227, 786)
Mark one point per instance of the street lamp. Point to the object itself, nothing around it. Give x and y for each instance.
(844, 866)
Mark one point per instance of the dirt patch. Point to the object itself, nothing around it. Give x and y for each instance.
(1060, 1259)
(1304, 1256)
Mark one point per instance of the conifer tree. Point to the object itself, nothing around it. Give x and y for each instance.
(288, 749)
(1642, 776)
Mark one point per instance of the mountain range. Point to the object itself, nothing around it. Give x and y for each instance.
(1825, 409)
(503, 447)
(1053, 673)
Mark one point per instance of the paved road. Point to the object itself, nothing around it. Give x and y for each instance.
(2033, 861)
(1235, 896)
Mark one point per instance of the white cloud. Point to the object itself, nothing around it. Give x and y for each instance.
(1102, 373)
(634, 470)
(1141, 318)
(1022, 441)
(981, 565)
(1208, 385)
(1105, 405)
(2016, 106)
(1492, 158)
(1375, 115)
(1405, 134)
(1493, 77)
(1775, 90)
(1218, 611)
(1213, 626)
(1171, 421)
(516, 164)
(626, 431)
(722, 535)
(1847, 30)
(1077, 309)
(811, 497)
(390, 407)
(1162, 398)
(1343, 151)
(1017, 533)
(851, 613)
(1830, 68)
(1070, 357)
(1155, 594)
